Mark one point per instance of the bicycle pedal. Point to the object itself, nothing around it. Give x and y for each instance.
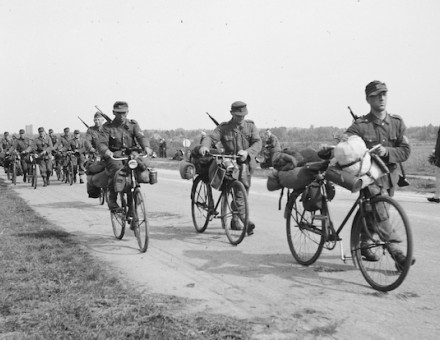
(334, 237)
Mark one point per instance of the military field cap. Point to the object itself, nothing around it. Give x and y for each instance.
(41, 129)
(120, 107)
(76, 132)
(21, 131)
(375, 87)
(66, 129)
(6, 133)
(50, 131)
(239, 108)
(97, 115)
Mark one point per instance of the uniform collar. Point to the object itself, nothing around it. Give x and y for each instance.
(372, 118)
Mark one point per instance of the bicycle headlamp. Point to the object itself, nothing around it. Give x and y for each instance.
(132, 164)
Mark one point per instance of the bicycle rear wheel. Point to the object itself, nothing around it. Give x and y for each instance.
(117, 217)
(201, 200)
(392, 251)
(140, 221)
(305, 233)
(235, 212)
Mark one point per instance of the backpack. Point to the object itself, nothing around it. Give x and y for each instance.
(312, 197)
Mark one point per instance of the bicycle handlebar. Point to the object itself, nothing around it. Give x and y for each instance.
(127, 157)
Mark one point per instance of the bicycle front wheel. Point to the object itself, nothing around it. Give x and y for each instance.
(140, 221)
(34, 176)
(201, 200)
(305, 233)
(117, 217)
(14, 173)
(382, 244)
(235, 212)
(71, 174)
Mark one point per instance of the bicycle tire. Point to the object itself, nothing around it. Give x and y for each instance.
(201, 200)
(14, 173)
(235, 222)
(140, 221)
(58, 172)
(117, 217)
(305, 238)
(71, 174)
(34, 176)
(385, 274)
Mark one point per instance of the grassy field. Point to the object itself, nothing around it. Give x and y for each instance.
(51, 288)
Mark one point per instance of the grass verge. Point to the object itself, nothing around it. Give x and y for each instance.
(51, 288)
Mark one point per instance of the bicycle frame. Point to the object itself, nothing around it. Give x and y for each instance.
(325, 217)
(133, 180)
(231, 164)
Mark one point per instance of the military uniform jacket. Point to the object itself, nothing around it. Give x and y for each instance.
(117, 136)
(6, 145)
(237, 137)
(389, 132)
(22, 144)
(80, 145)
(65, 143)
(54, 140)
(42, 144)
(92, 135)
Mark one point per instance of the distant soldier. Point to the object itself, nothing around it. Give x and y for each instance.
(63, 146)
(42, 146)
(92, 134)
(80, 146)
(5, 145)
(23, 145)
(56, 154)
(162, 148)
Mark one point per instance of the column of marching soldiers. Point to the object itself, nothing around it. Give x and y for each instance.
(51, 153)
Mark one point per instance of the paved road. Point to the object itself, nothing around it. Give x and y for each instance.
(259, 279)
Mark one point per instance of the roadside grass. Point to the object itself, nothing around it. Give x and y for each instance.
(51, 288)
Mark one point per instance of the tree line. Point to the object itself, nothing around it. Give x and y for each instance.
(293, 136)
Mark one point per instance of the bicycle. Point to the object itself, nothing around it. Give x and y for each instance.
(233, 198)
(309, 232)
(14, 166)
(34, 169)
(70, 167)
(131, 201)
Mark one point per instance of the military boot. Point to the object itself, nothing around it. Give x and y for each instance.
(44, 181)
(112, 197)
(48, 179)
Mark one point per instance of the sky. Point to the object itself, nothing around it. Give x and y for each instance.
(295, 63)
